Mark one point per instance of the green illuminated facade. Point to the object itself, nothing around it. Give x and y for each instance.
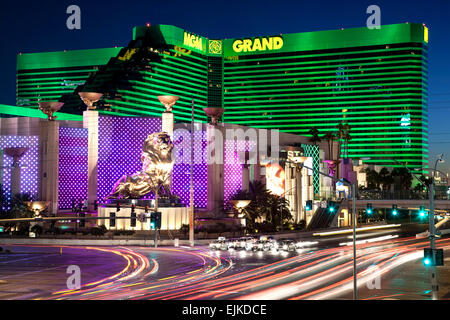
(374, 80)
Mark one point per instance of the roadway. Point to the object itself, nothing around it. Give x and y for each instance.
(320, 272)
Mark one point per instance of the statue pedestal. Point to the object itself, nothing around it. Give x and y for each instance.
(171, 218)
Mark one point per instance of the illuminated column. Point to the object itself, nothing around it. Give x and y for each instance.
(245, 177)
(49, 146)
(90, 121)
(215, 148)
(167, 123)
(168, 118)
(16, 153)
(214, 134)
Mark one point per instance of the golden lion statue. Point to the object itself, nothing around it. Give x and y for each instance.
(157, 165)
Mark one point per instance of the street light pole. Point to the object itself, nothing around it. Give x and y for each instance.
(191, 200)
(433, 273)
(432, 231)
(355, 287)
(431, 227)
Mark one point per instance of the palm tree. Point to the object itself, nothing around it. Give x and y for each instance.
(330, 137)
(263, 204)
(385, 178)
(403, 176)
(314, 136)
(346, 138)
(372, 178)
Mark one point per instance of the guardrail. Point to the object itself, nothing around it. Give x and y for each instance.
(400, 195)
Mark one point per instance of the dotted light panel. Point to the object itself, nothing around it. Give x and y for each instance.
(29, 174)
(181, 171)
(120, 141)
(313, 151)
(232, 169)
(73, 166)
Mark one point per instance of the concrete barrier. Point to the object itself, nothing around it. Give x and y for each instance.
(426, 234)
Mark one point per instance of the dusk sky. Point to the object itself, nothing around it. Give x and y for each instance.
(36, 26)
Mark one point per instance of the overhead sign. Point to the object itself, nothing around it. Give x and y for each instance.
(258, 44)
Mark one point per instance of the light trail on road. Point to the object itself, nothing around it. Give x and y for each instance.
(191, 274)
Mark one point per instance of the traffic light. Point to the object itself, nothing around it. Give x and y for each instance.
(308, 206)
(95, 205)
(394, 210)
(428, 257)
(146, 209)
(422, 212)
(158, 220)
(369, 208)
(152, 221)
(117, 206)
(112, 221)
(331, 206)
(82, 221)
(133, 219)
(133, 215)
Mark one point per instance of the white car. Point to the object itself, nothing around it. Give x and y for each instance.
(219, 244)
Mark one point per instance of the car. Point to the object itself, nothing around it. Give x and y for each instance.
(224, 245)
(234, 244)
(247, 243)
(214, 245)
(286, 245)
(220, 244)
(262, 245)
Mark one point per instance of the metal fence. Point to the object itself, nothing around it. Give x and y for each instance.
(400, 195)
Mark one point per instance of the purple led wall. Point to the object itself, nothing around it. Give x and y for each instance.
(29, 174)
(73, 165)
(232, 169)
(120, 145)
(181, 171)
(120, 141)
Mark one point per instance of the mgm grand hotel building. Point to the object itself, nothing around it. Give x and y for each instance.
(374, 80)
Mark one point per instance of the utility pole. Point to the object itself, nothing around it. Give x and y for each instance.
(191, 201)
(431, 227)
(432, 231)
(355, 286)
